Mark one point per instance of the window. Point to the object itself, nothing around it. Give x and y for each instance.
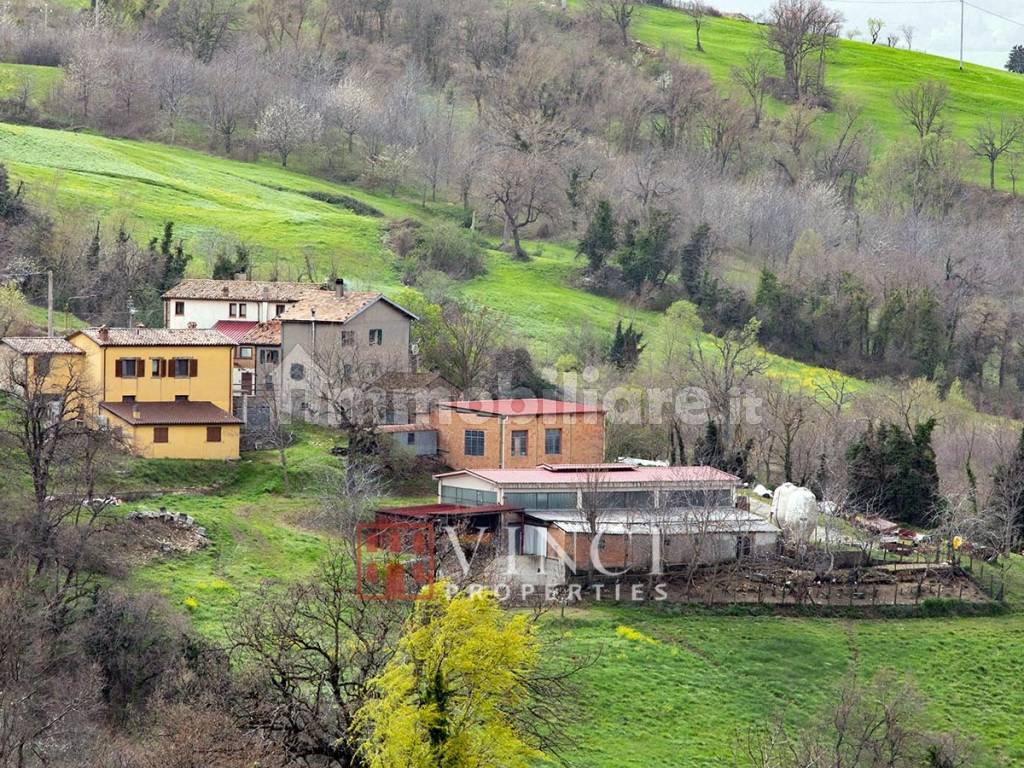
(184, 367)
(42, 365)
(157, 367)
(278, 310)
(269, 356)
(245, 353)
(410, 438)
(298, 372)
(552, 442)
(160, 434)
(127, 398)
(618, 499)
(455, 495)
(181, 398)
(474, 442)
(232, 310)
(128, 367)
(710, 497)
(213, 434)
(376, 336)
(520, 438)
(348, 338)
(243, 309)
(179, 308)
(541, 500)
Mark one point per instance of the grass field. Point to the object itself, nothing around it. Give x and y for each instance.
(40, 81)
(867, 74)
(681, 693)
(213, 200)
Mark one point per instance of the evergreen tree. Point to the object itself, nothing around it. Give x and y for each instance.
(1016, 61)
(598, 241)
(693, 260)
(175, 259)
(226, 267)
(92, 253)
(1008, 493)
(10, 206)
(648, 257)
(708, 450)
(626, 347)
(893, 473)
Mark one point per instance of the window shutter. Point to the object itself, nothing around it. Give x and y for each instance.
(193, 367)
(140, 367)
(117, 368)
(163, 367)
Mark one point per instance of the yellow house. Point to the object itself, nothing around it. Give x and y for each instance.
(52, 364)
(167, 391)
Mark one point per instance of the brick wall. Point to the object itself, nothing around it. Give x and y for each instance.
(582, 439)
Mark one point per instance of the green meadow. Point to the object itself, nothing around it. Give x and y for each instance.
(865, 74)
(214, 201)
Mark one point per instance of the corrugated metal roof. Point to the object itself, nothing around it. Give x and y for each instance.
(602, 480)
(42, 345)
(528, 406)
(158, 337)
(668, 521)
(234, 329)
(143, 413)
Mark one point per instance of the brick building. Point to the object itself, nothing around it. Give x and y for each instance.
(518, 433)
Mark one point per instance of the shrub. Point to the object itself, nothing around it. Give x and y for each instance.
(445, 248)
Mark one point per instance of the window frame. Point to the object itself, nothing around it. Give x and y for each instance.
(473, 434)
(522, 438)
(233, 309)
(376, 336)
(179, 309)
(212, 431)
(242, 349)
(348, 338)
(161, 434)
(243, 309)
(550, 432)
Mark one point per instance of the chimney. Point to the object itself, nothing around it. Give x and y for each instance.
(224, 290)
(139, 327)
(339, 287)
(136, 412)
(104, 333)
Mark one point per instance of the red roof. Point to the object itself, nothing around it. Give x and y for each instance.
(234, 329)
(529, 406)
(426, 511)
(403, 428)
(607, 476)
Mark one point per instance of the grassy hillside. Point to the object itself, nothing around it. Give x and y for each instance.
(212, 200)
(681, 693)
(865, 73)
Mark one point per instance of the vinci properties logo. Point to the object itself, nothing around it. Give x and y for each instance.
(394, 561)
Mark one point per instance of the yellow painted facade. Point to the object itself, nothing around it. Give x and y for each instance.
(184, 441)
(204, 375)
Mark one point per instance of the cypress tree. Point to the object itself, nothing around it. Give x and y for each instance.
(1016, 61)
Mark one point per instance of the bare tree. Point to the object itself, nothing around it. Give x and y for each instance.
(697, 11)
(620, 12)
(993, 138)
(752, 77)
(922, 106)
(202, 28)
(288, 124)
(521, 186)
(875, 29)
(907, 31)
(797, 29)
(892, 40)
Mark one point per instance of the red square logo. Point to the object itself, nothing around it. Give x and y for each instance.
(394, 561)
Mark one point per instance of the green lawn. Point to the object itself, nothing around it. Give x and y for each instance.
(212, 199)
(688, 697)
(867, 74)
(40, 79)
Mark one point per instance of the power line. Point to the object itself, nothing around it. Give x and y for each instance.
(997, 15)
(894, 2)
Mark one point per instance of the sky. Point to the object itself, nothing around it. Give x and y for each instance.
(987, 39)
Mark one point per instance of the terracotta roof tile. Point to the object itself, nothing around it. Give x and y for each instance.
(241, 290)
(158, 337)
(264, 334)
(329, 307)
(198, 413)
(42, 345)
(530, 406)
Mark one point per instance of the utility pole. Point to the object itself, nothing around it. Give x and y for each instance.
(49, 302)
(962, 35)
